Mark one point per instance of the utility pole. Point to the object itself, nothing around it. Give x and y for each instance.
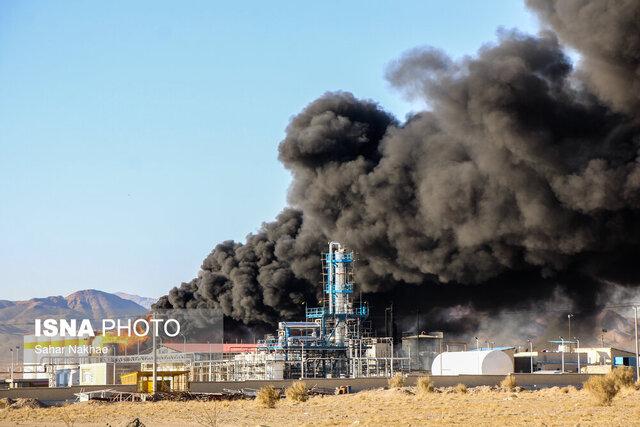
(155, 364)
(18, 361)
(635, 309)
(478, 354)
(562, 339)
(12, 385)
(392, 323)
(531, 354)
(578, 342)
(569, 316)
(386, 324)
(392, 342)
(184, 343)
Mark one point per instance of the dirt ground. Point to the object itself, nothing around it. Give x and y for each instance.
(402, 407)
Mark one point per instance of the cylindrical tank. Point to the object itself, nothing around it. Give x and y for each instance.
(485, 362)
(340, 282)
(57, 350)
(30, 342)
(70, 349)
(44, 343)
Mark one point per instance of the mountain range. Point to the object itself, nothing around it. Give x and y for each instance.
(17, 318)
(146, 302)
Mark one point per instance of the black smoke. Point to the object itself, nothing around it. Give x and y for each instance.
(520, 181)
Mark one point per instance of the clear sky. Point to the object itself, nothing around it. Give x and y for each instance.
(135, 135)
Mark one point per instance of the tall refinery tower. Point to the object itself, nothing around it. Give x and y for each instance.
(330, 343)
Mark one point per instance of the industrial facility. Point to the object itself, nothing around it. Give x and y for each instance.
(331, 342)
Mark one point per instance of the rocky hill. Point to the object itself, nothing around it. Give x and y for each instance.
(17, 317)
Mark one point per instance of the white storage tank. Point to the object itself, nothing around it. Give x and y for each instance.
(42, 352)
(483, 362)
(70, 349)
(29, 349)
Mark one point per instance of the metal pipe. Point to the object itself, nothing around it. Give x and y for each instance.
(578, 342)
(331, 274)
(155, 365)
(391, 356)
(562, 339)
(477, 355)
(569, 316)
(635, 309)
(531, 354)
(18, 361)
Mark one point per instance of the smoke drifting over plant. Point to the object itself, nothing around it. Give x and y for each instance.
(521, 180)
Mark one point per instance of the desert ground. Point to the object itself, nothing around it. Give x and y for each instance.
(480, 406)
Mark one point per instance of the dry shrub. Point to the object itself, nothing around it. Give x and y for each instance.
(603, 388)
(267, 397)
(623, 376)
(298, 392)
(397, 381)
(461, 388)
(509, 382)
(425, 385)
(66, 418)
(209, 418)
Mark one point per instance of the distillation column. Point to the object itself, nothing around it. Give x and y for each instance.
(338, 301)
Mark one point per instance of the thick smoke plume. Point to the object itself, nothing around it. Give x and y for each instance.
(521, 181)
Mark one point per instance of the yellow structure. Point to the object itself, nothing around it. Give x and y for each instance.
(166, 380)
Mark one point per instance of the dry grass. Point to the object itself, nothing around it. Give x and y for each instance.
(397, 381)
(604, 388)
(267, 397)
(425, 385)
(623, 376)
(481, 406)
(461, 388)
(509, 382)
(298, 392)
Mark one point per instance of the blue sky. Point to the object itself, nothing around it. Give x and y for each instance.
(134, 136)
